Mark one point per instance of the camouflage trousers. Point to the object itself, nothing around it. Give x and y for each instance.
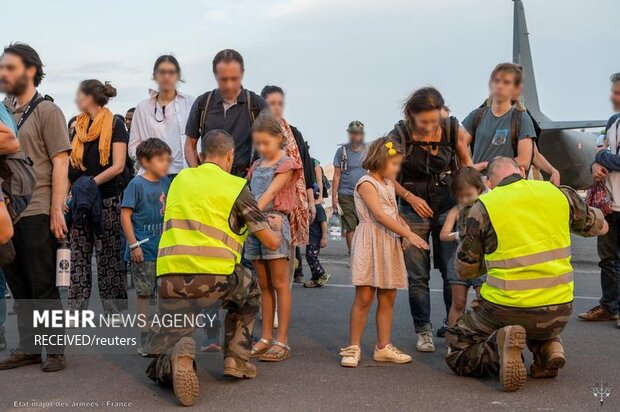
(472, 342)
(189, 296)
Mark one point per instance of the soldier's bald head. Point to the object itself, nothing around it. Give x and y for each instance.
(500, 168)
(218, 147)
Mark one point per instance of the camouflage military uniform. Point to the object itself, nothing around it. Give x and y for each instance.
(472, 345)
(191, 294)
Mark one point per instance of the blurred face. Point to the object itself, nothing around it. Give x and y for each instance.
(166, 76)
(275, 101)
(356, 138)
(14, 76)
(615, 96)
(84, 102)
(467, 195)
(392, 167)
(427, 122)
(503, 86)
(158, 165)
(229, 76)
(128, 119)
(267, 145)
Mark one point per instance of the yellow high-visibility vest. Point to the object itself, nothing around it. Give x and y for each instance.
(531, 266)
(197, 237)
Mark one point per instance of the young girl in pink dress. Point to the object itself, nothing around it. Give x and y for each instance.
(377, 262)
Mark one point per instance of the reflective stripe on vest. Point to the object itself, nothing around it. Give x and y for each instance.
(197, 237)
(531, 265)
(189, 224)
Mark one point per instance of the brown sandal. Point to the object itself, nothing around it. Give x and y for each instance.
(275, 355)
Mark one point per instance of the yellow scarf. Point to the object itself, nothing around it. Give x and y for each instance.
(100, 128)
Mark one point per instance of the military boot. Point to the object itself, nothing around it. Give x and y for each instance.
(510, 345)
(239, 368)
(184, 378)
(548, 360)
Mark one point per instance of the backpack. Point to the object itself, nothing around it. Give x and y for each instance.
(344, 157)
(515, 126)
(326, 184)
(451, 128)
(204, 101)
(17, 176)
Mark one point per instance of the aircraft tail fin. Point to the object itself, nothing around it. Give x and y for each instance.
(522, 54)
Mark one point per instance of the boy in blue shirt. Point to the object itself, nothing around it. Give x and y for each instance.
(142, 218)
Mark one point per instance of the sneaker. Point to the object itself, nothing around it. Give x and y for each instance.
(53, 363)
(312, 284)
(441, 332)
(323, 279)
(239, 368)
(18, 359)
(298, 279)
(548, 360)
(425, 342)
(210, 345)
(391, 353)
(510, 345)
(598, 313)
(184, 378)
(351, 356)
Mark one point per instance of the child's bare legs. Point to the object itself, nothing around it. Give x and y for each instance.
(364, 296)
(459, 302)
(267, 301)
(385, 313)
(279, 280)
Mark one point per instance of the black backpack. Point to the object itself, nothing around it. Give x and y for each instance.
(515, 126)
(204, 101)
(451, 128)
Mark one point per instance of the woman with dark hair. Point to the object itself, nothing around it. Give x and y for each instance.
(429, 142)
(99, 150)
(164, 114)
(297, 148)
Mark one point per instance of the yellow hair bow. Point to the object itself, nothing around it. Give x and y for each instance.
(390, 147)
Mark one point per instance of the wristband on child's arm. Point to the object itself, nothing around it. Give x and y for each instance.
(138, 243)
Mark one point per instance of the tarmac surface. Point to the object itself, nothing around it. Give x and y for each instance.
(313, 380)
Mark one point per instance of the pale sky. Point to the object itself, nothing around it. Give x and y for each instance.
(338, 60)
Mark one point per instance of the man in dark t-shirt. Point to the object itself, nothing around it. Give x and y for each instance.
(230, 107)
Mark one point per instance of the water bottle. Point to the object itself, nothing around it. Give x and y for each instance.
(63, 265)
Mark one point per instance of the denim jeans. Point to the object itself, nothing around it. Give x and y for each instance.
(418, 264)
(609, 254)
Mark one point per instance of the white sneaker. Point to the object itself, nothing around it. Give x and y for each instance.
(425, 342)
(351, 356)
(391, 353)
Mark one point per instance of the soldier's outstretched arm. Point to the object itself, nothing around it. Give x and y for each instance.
(585, 221)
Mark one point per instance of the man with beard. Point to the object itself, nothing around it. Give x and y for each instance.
(44, 138)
